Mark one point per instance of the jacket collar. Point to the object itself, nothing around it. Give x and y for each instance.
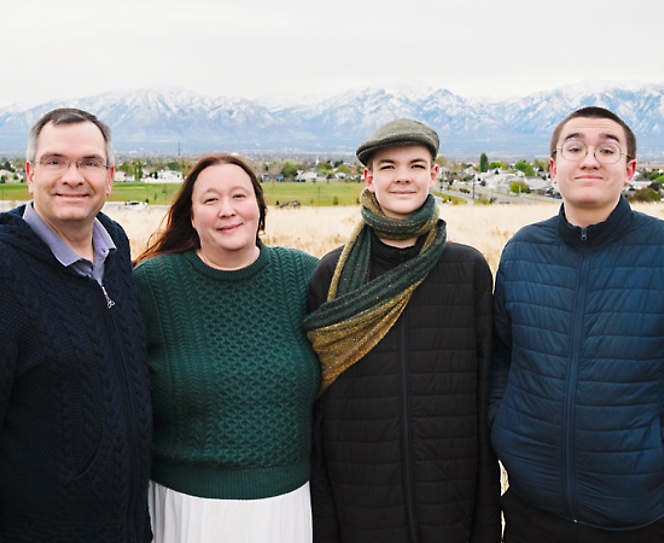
(390, 256)
(596, 234)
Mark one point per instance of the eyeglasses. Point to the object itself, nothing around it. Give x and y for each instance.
(606, 153)
(89, 167)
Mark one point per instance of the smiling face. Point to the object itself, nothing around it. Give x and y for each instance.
(591, 189)
(69, 202)
(225, 215)
(401, 178)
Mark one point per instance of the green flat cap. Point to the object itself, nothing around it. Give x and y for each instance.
(397, 133)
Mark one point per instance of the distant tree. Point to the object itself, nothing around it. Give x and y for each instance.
(518, 187)
(525, 167)
(442, 161)
(125, 167)
(324, 167)
(289, 169)
(138, 170)
(644, 195)
(652, 175)
(274, 167)
(484, 163)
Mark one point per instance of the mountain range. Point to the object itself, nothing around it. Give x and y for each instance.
(179, 122)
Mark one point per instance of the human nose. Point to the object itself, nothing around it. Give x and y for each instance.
(72, 174)
(226, 207)
(590, 160)
(403, 175)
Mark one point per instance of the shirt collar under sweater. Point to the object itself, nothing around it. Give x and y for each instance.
(18, 233)
(102, 245)
(229, 275)
(599, 234)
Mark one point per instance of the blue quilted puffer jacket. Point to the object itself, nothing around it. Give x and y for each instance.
(578, 368)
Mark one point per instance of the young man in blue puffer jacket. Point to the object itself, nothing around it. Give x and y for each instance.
(577, 397)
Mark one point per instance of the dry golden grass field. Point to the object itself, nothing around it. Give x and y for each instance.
(317, 230)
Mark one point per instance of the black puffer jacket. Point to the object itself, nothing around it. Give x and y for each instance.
(401, 447)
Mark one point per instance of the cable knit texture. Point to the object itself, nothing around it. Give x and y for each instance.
(233, 375)
(74, 397)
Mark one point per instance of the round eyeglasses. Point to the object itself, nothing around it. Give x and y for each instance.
(90, 167)
(608, 152)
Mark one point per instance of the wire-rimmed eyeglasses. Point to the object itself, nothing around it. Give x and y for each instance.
(55, 165)
(608, 152)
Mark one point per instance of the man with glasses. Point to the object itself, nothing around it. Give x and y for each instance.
(577, 391)
(75, 417)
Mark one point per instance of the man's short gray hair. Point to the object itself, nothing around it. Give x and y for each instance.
(68, 116)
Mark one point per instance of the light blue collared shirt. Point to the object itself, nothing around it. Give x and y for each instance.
(102, 245)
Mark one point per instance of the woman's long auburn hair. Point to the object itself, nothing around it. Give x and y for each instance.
(179, 235)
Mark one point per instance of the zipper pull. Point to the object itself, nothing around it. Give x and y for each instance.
(584, 234)
(110, 303)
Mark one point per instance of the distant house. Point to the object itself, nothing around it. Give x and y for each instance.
(122, 177)
(538, 185)
(169, 176)
(272, 177)
(308, 176)
(7, 175)
(499, 179)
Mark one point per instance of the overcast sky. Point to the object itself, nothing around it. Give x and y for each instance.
(251, 48)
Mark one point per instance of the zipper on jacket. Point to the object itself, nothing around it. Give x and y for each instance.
(405, 437)
(127, 402)
(572, 375)
(109, 303)
(409, 498)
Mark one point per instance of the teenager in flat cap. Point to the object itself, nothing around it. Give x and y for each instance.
(401, 322)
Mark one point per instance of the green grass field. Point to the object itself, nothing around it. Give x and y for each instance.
(308, 194)
(158, 193)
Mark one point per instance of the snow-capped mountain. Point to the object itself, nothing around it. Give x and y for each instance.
(170, 121)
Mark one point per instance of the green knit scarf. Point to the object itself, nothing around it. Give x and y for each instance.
(358, 311)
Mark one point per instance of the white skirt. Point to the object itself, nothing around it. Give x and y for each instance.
(181, 518)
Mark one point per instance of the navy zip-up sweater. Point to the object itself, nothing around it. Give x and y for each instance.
(578, 369)
(74, 396)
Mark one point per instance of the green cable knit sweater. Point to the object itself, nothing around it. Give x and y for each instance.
(233, 375)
